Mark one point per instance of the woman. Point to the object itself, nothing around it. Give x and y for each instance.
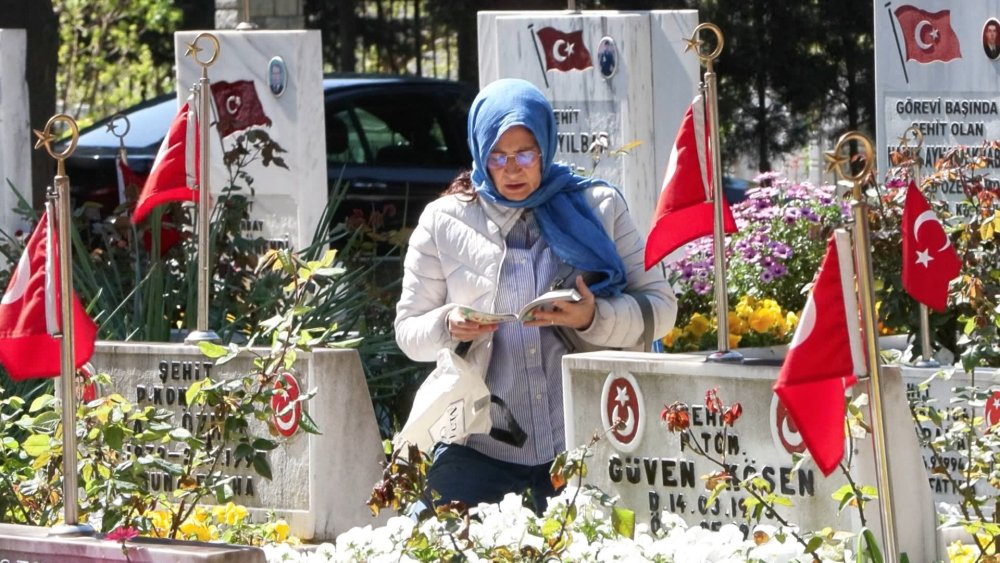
(499, 237)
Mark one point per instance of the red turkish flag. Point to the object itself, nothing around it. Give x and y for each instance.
(685, 209)
(29, 313)
(929, 260)
(238, 106)
(929, 36)
(129, 183)
(564, 51)
(174, 175)
(824, 357)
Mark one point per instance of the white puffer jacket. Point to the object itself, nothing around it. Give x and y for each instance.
(454, 258)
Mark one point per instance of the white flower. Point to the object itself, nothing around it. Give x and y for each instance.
(325, 552)
(281, 553)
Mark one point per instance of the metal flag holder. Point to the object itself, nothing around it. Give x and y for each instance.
(112, 127)
(926, 359)
(709, 87)
(57, 206)
(869, 318)
(204, 91)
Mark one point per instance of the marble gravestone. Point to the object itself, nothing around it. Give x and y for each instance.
(285, 74)
(320, 482)
(16, 138)
(934, 72)
(653, 470)
(612, 77)
(939, 393)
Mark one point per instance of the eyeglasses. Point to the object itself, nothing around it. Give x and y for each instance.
(524, 159)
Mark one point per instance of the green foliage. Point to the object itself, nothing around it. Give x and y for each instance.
(122, 445)
(113, 54)
(965, 454)
(974, 301)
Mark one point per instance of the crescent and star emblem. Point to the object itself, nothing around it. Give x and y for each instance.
(918, 33)
(233, 104)
(924, 256)
(993, 409)
(562, 50)
(20, 285)
(622, 398)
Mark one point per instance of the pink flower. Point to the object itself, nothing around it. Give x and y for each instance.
(122, 534)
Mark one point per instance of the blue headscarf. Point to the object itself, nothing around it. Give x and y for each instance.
(567, 222)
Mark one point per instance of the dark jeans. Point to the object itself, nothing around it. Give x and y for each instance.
(461, 473)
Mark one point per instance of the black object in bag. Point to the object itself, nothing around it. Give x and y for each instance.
(513, 434)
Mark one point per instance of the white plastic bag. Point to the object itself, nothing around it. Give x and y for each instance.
(450, 404)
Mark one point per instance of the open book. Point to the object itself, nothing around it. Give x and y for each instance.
(527, 312)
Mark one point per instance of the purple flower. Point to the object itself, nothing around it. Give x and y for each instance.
(896, 183)
(702, 287)
(781, 250)
(792, 214)
(766, 276)
(777, 269)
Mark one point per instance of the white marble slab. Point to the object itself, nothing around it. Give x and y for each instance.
(288, 203)
(952, 101)
(35, 544)
(643, 100)
(16, 139)
(652, 470)
(321, 482)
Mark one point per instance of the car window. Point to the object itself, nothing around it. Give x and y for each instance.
(385, 130)
(145, 126)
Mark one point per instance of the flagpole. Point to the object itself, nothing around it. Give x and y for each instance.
(723, 353)
(203, 333)
(58, 196)
(869, 318)
(926, 359)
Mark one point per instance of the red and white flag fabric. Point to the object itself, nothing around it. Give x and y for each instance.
(929, 36)
(685, 210)
(929, 260)
(564, 51)
(174, 175)
(237, 106)
(30, 316)
(824, 357)
(129, 183)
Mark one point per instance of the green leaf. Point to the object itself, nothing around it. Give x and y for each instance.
(869, 546)
(307, 424)
(244, 451)
(550, 527)
(813, 544)
(623, 521)
(114, 436)
(262, 466)
(41, 402)
(192, 391)
(264, 444)
(212, 350)
(36, 445)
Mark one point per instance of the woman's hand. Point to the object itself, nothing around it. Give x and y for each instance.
(577, 315)
(462, 329)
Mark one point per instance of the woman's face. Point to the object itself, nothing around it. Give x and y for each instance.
(515, 164)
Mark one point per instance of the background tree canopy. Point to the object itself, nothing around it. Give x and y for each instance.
(784, 75)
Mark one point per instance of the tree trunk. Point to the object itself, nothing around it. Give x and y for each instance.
(348, 36)
(39, 20)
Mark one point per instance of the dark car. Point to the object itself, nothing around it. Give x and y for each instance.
(393, 140)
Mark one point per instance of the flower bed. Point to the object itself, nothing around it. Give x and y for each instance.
(509, 531)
